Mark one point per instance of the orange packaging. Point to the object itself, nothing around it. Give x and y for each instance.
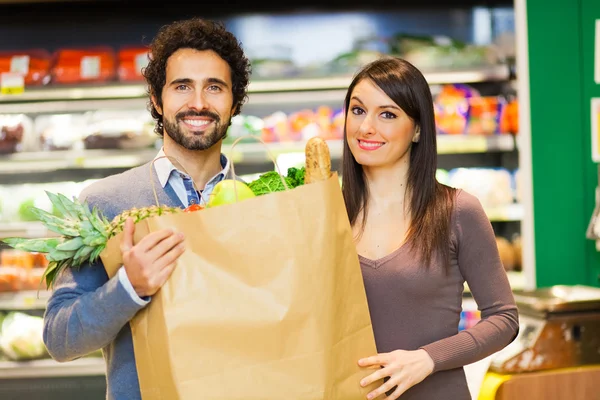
(131, 61)
(34, 65)
(484, 115)
(509, 120)
(17, 259)
(84, 65)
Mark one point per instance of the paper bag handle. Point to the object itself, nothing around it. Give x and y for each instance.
(268, 154)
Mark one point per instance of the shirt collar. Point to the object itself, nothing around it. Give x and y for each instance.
(164, 168)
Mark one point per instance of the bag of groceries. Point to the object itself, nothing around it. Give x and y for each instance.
(267, 302)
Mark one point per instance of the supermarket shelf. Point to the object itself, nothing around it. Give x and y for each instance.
(511, 212)
(124, 91)
(89, 366)
(24, 300)
(243, 153)
(462, 144)
(24, 229)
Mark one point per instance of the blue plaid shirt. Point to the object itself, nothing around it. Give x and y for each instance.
(182, 183)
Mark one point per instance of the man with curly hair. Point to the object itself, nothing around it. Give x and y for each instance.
(197, 79)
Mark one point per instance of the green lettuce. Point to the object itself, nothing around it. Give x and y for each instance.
(270, 182)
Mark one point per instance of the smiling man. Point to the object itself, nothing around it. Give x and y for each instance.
(198, 78)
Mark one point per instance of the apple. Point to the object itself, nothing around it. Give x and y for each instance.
(225, 193)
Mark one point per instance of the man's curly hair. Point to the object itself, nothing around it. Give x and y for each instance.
(198, 34)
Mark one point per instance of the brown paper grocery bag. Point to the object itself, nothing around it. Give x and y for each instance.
(267, 302)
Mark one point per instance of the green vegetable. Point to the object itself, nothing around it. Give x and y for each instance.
(296, 175)
(270, 182)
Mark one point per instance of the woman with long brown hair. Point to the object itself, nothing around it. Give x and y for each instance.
(418, 242)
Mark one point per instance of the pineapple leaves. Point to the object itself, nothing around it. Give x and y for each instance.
(34, 245)
(82, 231)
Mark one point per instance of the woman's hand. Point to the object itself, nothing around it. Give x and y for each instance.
(404, 369)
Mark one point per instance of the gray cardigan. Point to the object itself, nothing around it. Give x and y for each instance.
(87, 311)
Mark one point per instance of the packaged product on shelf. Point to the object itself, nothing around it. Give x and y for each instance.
(79, 65)
(348, 63)
(16, 133)
(60, 131)
(509, 119)
(507, 253)
(272, 62)
(119, 129)
(431, 53)
(243, 125)
(18, 199)
(21, 337)
(484, 115)
(451, 108)
(33, 64)
(323, 121)
(21, 270)
(276, 127)
(492, 186)
(131, 61)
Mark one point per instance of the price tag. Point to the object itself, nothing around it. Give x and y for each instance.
(11, 83)
(19, 64)
(90, 67)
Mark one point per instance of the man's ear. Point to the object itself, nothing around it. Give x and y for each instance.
(235, 108)
(155, 104)
(417, 134)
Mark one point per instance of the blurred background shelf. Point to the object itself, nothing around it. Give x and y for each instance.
(87, 366)
(24, 300)
(124, 91)
(30, 162)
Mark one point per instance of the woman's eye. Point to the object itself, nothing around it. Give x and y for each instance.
(388, 115)
(357, 111)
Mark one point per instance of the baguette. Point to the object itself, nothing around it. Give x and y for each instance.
(318, 160)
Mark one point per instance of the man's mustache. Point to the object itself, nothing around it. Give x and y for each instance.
(204, 113)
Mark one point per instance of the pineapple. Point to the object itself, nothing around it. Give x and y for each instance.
(83, 233)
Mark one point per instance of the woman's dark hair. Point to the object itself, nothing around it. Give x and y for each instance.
(198, 34)
(430, 204)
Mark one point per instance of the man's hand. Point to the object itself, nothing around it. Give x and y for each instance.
(403, 368)
(150, 262)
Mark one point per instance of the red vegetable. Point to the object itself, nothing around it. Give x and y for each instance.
(194, 207)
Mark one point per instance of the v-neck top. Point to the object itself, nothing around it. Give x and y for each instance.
(415, 306)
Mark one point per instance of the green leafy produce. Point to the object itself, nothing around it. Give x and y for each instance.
(270, 182)
(296, 175)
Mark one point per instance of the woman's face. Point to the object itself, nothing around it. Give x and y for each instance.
(378, 131)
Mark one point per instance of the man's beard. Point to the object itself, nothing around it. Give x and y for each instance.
(204, 140)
